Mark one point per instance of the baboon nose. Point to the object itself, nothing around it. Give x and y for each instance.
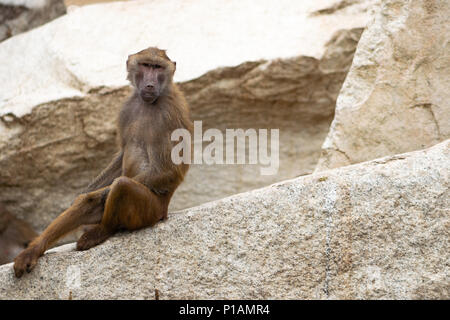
(149, 86)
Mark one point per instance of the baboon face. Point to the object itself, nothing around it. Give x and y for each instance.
(150, 80)
(150, 71)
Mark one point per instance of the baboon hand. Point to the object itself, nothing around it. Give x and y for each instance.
(25, 261)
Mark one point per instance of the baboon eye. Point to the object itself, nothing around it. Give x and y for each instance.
(149, 65)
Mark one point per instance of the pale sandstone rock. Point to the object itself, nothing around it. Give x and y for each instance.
(396, 97)
(59, 102)
(17, 16)
(375, 230)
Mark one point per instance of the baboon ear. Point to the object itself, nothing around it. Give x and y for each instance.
(174, 66)
(128, 70)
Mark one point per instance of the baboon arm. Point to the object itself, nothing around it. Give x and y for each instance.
(107, 176)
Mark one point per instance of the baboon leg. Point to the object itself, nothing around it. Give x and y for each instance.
(86, 209)
(130, 205)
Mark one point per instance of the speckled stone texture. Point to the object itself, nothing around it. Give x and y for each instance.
(375, 230)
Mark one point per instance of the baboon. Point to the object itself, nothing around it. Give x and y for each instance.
(15, 235)
(135, 189)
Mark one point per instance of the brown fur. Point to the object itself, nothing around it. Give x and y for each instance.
(134, 191)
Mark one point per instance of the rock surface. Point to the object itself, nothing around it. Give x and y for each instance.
(375, 230)
(396, 97)
(86, 2)
(295, 95)
(17, 16)
(57, 122)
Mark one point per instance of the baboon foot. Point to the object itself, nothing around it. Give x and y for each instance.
(26, 261)
(94, 236)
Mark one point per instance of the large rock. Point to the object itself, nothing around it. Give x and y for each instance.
(58, 105)
(295, 95)
(396, 97)
(86, 2)
(376, 230)
(17, 16)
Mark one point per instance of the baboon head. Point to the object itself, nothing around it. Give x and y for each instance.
(150, 71)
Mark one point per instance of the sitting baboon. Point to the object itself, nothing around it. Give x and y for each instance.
(135, 189)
